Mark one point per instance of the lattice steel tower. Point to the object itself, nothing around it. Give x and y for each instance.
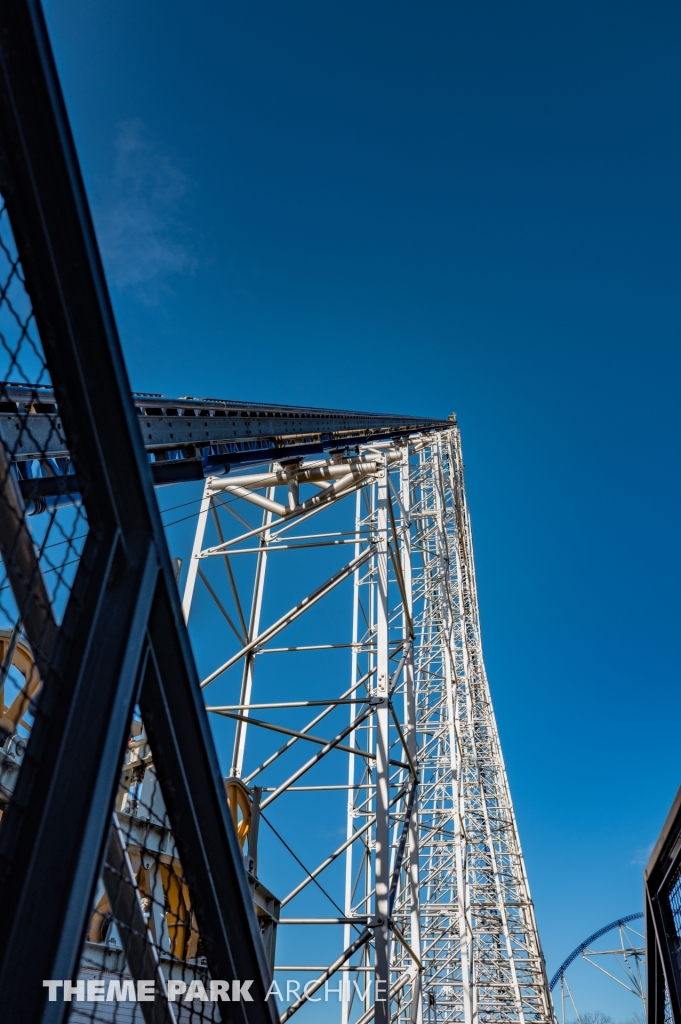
(436, 908)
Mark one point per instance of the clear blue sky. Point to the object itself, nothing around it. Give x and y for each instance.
(429, 207)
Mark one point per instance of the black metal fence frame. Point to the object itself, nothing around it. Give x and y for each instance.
(123, 639)
(662, 877)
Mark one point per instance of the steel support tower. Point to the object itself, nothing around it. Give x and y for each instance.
(434, 920)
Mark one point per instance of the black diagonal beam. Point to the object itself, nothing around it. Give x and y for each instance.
(53, 834)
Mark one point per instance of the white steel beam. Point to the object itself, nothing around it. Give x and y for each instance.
(382, 852)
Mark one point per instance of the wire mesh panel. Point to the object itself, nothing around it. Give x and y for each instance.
(672, 894)
(143, 943)
(41, 538)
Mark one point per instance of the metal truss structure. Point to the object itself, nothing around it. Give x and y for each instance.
(185, 438)
(623, 964)
(434, 908)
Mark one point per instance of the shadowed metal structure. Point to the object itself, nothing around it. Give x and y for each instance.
(662, 884)
(89, 598)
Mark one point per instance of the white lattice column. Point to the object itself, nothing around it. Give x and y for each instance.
(382, 835)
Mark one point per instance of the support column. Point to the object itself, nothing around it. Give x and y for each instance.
(382, 858)
(196, 551)
(253, 628)
(352, 742)
(448, 609)
(416, 1011)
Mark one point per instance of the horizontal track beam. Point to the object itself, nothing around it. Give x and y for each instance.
(175, 424)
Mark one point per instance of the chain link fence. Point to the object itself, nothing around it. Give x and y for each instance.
(142, 914)
(41, 538)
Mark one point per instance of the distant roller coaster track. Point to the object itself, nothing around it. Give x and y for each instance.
(587, 942)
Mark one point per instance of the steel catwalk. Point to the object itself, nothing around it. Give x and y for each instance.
(431, 914)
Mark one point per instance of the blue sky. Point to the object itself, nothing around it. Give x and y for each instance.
(426, 208)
